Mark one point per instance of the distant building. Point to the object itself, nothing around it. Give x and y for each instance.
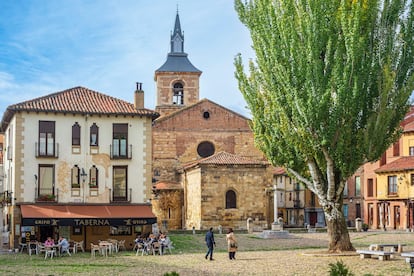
(381, 193)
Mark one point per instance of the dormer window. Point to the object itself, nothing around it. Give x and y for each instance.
(178, 93)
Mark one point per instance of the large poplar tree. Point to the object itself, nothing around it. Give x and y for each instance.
(328, 89)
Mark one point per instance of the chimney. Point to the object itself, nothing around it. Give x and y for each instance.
(139, 96)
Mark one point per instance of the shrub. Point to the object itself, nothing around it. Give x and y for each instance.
(173, 273)
(339, 269)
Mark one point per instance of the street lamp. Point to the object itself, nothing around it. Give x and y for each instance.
(83, 175)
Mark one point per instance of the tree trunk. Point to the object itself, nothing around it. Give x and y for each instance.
(339, 240)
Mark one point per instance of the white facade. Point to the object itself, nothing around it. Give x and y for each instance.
(23, 169)
(58, 159)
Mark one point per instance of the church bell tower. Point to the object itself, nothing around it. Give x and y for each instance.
(177, 80)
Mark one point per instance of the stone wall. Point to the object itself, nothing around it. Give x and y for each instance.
(168, 206)
(249, 183)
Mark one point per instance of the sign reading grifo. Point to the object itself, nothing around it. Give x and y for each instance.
(87, 221)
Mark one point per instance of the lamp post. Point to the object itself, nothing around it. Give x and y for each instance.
(83, 175)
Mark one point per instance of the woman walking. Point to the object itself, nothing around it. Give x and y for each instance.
(231, 244)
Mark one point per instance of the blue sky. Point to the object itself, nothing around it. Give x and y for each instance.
(49, 46)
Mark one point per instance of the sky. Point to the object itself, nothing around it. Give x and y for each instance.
(49, 46)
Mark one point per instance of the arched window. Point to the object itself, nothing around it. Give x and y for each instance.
(178, 93)
(76, 134)
(75, 177)
(94, 131)
(231, 201)
(93, 177)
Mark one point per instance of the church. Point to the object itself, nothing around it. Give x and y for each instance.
(206, 169)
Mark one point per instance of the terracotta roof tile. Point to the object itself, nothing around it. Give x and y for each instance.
(279, 171)
(224, 158)
(409, 117)
(78, 100)
(168, 185)
(409, 127)
(81, 100)
(401, 164)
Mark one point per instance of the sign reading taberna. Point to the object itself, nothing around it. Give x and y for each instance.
(87, 222)
(87, 215)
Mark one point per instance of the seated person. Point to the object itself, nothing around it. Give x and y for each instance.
(152, 238)
(49, 241)
(139, 239)
(163, 241)
(63, 245)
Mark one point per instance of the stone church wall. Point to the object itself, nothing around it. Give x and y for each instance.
(193, 198)
(249, 183)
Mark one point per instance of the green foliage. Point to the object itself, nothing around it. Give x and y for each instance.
(329, 87)
(331, 79)
(173, 273)
(339, 269)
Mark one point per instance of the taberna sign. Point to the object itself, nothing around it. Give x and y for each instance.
(87, 221)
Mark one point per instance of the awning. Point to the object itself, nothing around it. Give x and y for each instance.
(86, 215)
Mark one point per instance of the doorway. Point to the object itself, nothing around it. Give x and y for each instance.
(313, 218)
(46, 231)
(397, 217)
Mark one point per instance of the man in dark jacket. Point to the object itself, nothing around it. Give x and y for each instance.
(210, 243)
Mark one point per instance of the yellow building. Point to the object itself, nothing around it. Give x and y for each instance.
(393, 208)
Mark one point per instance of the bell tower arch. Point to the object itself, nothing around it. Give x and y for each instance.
(177, 80)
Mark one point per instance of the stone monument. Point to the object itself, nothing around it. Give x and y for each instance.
(277, 226)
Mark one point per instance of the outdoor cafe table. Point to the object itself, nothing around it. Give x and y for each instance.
(106, 247)
(52, 250)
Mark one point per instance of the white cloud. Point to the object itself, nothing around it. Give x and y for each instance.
(109, 45)
(6, 81)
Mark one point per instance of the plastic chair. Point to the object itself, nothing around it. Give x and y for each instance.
(72, 247)
(79, 245)
(139, 247)
(121, 244)
(50, 252)
(33, 246)
(168, 246)
(145, 248)
(156, 247)
(94, 248)
(64, 250)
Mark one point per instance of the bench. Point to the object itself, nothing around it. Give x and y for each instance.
(395, 247)
(382, 255)
(313, 229)
(409, 257)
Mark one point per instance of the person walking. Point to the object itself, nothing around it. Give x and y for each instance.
(210, 244)
(231, 244)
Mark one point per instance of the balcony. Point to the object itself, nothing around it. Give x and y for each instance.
(52, 150)
(122, 152)
(46, 195)
(9, 153)
(120, 195)
(46, 198)
(6, 198)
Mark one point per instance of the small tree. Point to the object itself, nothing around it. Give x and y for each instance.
(328, 89)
